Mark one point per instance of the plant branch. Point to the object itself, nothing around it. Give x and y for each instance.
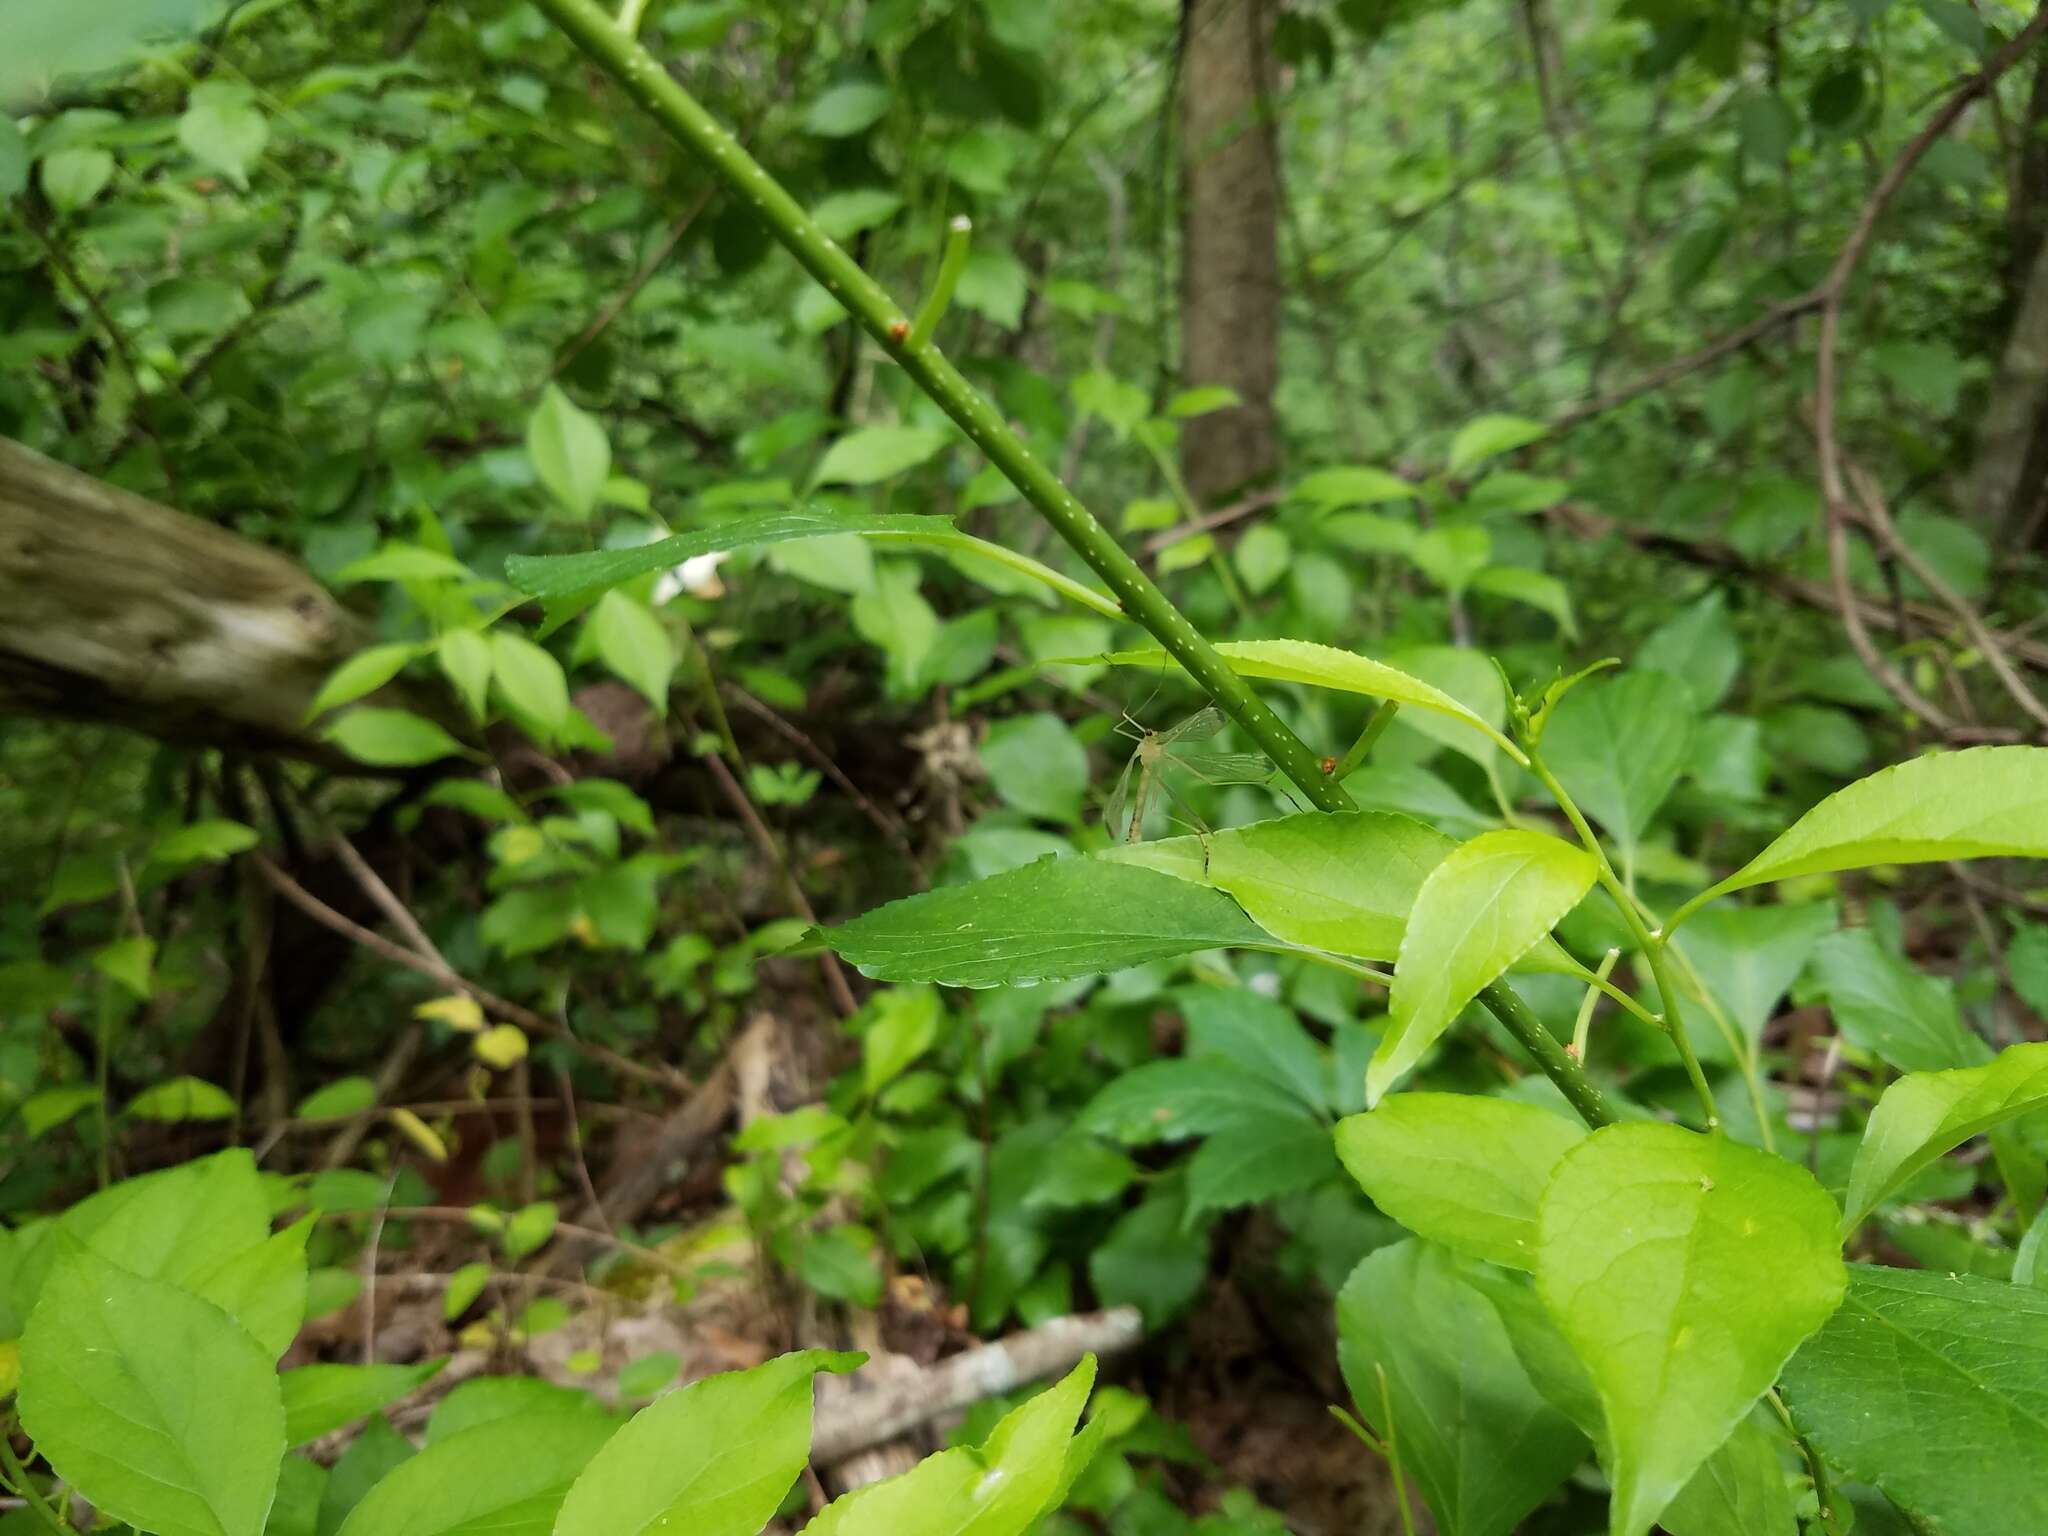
(643, 78)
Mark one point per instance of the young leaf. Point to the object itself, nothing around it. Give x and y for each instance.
(1935, 1388)
(1482, 1444)
(1480, 911)
(631, 641)
(1483, 437)
(391, 738)
(1045, 922)
(1618, 744)
(1925, 1114)
(507, 1476)
(1986, 802)
(714, 1458)
(1342, 882)
(465, 658)
(1323, 666)
(320, 1398)
(364, 672)
(570, 452)
(149, 1401)
(1683, 1270)
(1459, 1170)
(998, 1488)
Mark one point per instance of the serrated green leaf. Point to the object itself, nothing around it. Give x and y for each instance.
(1459, 1170)
(1045, 922)
(1322, 666)
(715, 1458)
(570, 452)
(1926, 1114)
(149, 1401)
(1486, 905)
(1935, 1388)
(1481, 1442)
(1683, 1270)
(1985, 802)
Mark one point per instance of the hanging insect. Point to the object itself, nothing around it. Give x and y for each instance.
(1161, 756)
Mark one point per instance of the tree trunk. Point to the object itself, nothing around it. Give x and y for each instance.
(117, 610)
(1230, 246)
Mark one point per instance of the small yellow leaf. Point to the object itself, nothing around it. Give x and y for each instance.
(500, 1046)
(458, 1011)
(584, 931)
(420, 1134)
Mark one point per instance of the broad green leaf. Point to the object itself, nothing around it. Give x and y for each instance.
(998, 1488)
(1739, 1491)
(1885, 1006)
(489, 1399)
(1459, 1170)
(1342, 882)
(1153, 1258)
(1934, 1387)
(1257, 1157)
(1618, 745)
(223, 127)
(1536, 589)
(465, 658)
(530, 680)
(877, 453)
(1748, 957)
(149, 1401)
(713, 1459)
(364, 672)
(569, 583)
(1174, 1099)
(1323, 666)
(73, 177)
(202, 842)
(301, 1485)
(1699, 648)
(507, 1477)
(845, 214)
(528, 1229)
(181, 1098)
(343, 1096)
(1045, 922)
(1683, 1270)
(1262, 1035)
(631, 641)
(1469, 679)
(403, 562)
(1485, 906)
(1352, 485)
(1926, 1114)
(319, 1398)
(1484, 437)
(1481, 1442)
(180, 1223)
(1036, 765)
(263, 1288)
(570, 452)
(905, 1025)
(845, 109)
(377, 1451)
(1986, 802)
(131, 961)
(391, 738)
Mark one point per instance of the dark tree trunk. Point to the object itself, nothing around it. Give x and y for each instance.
(1230, 246)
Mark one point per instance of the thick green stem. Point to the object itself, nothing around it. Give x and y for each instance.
(643, 78)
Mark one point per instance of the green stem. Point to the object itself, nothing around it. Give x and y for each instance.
(1652, 948)
(1375, 728)
(1582, 1027)
(644, 78)
(18, 1478)
(959, 235)
(1597, 981)
(1816, 1469)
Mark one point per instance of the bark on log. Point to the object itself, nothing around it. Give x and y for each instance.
(117, 610)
